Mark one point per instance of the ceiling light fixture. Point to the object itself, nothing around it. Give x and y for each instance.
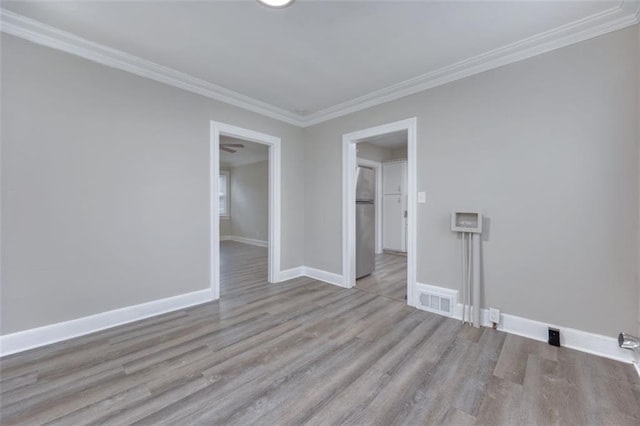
(276, 3)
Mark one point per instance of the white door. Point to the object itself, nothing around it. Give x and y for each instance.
(393, 223)
(393, 176)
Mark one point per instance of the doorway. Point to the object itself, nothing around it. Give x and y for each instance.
(391, 269)
(225, 136)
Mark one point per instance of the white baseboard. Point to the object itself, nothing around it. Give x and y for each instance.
(595, 344)
(46, 335)
(251, 241)
(320, 275)
(292, 273)
(316, 274)
(41, 336)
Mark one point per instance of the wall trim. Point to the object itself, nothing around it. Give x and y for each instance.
(292, 273)
(327, 277)
(349, 162)
(47, 35)
(625, 14)
(583, 341)
(316, 274)
(48, 334)
(217, 130)
(244, 240)
(622, 15)
(20, 341)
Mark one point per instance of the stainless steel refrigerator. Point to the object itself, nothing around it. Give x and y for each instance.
(365, 221)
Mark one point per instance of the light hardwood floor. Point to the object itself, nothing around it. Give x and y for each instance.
(389, 279)
(305, 352)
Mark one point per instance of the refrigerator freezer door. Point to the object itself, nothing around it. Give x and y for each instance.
(365, 184)
(365, 239)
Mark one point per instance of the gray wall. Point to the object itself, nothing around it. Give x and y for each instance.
(548, 149)
(96, 161)
(250, 201)
(105, 187)
(226, 227)
(638, 121)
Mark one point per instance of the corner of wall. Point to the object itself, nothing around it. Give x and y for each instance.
(638, 172)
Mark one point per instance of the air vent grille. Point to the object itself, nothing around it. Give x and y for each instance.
(436, 303)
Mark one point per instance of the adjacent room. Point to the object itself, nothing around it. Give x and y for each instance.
(381, 215)
(244, 213)
(292, 212)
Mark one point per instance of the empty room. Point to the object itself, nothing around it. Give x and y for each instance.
(288, 212)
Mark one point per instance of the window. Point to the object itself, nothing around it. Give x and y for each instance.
(224, 194)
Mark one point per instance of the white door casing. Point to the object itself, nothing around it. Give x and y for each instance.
(274, 245)
(349, 162)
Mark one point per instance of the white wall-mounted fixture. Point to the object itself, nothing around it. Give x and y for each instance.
(276, 4)
(494, 316)
(469, 224)
(466, 221)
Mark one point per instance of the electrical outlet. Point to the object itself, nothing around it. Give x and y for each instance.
(494, 315)
(554, 336)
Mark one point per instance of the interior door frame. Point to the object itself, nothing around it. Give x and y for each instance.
(218, 129)
(349, 163)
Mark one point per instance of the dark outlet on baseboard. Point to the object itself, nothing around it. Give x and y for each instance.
(554, 336)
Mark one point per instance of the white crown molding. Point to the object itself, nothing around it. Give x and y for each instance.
(624, 14)
(46, 35)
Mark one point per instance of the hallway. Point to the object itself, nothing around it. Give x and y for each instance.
(389, 278)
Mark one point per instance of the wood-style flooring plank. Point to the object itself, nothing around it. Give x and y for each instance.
(389, 278)
(307, 352)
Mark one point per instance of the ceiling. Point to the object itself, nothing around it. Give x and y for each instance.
(313, 60)
(391, 140)
(251, 153)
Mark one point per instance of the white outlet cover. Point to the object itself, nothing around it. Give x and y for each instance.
(494, 315)
(422, 197)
